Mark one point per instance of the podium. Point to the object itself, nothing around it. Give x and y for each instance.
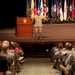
(24, 26)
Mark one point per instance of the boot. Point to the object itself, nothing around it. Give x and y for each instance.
(36, 36)
(40, 36)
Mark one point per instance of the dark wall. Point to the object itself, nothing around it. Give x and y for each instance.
(9, 10)
(37, 49)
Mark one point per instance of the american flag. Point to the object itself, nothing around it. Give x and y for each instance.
(61, 12)
(35, 8)
(73, 12)
(32, 8)
(45, 10)
(65, 10)
(41, 7)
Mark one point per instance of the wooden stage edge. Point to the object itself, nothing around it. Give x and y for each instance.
(51, 33)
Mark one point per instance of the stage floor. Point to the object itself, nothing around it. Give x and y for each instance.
(51, 33)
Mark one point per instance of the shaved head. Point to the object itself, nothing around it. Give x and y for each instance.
(38, 12)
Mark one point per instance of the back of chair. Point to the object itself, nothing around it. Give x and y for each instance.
(2, 73)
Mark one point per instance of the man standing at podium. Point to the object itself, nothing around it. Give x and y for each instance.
(38, 25)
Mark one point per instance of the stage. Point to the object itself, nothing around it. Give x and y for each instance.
(51, 33)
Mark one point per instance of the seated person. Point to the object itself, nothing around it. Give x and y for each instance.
(3, 65)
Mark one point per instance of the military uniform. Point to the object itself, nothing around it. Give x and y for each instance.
(38, 25)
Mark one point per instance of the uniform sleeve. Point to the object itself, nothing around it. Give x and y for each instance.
(33, 17)
(44, 17)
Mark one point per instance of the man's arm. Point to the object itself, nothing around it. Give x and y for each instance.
(33, 19)
(45, 17)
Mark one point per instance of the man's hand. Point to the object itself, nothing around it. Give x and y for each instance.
(44, 18)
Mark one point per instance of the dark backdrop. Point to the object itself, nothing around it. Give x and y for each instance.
(10, 9)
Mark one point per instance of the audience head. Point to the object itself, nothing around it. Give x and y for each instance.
(74, 44)
(5, 45)
(38, 12)
(12, 45)
(60, 45)
(70, 46)
(6, 42)
(56, 44)
(66, 45)
(9, 73)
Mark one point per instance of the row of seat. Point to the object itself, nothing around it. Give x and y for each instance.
(14, 55)
(63, 58)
